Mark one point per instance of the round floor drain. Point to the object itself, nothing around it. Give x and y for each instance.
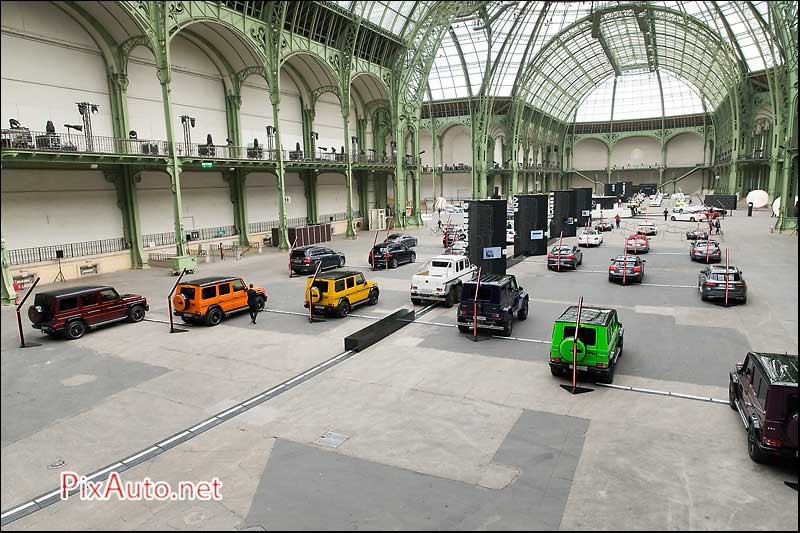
(59, 463)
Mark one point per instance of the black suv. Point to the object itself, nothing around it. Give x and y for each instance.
(304, 259)
(498, 299)
(763, 389)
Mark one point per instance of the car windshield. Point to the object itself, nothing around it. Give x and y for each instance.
(188, 292)
(394, 236)
(45, 301)
(622, 261)
(299, 254)
(440, 264)
(486, 293)
(588, 336)
(379, 249)
(562, 249)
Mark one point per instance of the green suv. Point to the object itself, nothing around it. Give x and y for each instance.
(599, 343)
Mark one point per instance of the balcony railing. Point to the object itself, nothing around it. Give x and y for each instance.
(24, 256)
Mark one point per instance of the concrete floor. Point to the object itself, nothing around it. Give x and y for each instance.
(442, 433)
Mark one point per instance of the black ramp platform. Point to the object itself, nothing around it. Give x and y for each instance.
(364, 338)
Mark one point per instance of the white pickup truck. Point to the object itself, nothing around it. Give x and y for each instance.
(440, 279)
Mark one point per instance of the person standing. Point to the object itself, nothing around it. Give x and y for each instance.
(252, 302)
(617, 220)
(666, 214)
(718, 226)
(221, 253)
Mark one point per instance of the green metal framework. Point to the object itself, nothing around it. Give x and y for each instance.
(516, 71)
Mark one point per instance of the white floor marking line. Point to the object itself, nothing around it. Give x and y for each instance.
(103, 471)
(223, 415)
(17, 509)
(173, 439)
(124, 464)
(664, 393)
(432, 323)
(140, 454)
(47, 496)
(204, 424)
(521, 339)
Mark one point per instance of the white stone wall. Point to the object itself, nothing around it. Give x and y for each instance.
(685, 150)
(44, 207)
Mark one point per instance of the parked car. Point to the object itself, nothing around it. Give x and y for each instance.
(402, 238)
(76, 310)
(590, 237)
(599, 345)
(637, 244)
(564, 256)
(452, 235)
(685, 217)
(499, 300)
(707, 251)
(604, 226)
(441, 279)
(390, 255)
(458, 248)
(694, 235)
(715, 280)
(763, 389)
(304, 259)
(626, 268)
(646, 228)
(339, 291)
(211, 299)
(688, 209)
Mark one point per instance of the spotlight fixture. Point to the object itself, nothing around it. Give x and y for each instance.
(422, 152)
(76, 127)
(14, 123)
(86, 111)
(49, 127)
(229, 141)
(133, 135)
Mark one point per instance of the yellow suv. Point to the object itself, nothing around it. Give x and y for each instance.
(212, 299)
(338, 291)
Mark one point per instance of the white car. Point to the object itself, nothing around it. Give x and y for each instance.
(454, 209)
(646, 228)
(459, 248)
(688, 209)
(590, 237)
(687, 217)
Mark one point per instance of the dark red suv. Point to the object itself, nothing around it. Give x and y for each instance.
(763, 390)
(75, 310)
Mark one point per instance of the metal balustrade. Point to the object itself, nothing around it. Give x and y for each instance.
(39, 254)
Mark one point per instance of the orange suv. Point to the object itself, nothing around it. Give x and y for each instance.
(210, 300)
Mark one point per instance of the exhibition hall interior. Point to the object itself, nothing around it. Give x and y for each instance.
(399, 265)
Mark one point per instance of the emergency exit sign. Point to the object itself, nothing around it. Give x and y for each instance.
(206, 164)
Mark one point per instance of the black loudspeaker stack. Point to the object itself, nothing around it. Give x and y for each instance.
(530, 223)
(485, 223)
(583, 201)
(560, 214)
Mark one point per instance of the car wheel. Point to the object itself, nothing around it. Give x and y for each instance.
(463, 329)
(413, 258)
(753, 450)
(75, 330)
(744, 300)
(373, 297)
(187, 320)
(260, 302)
(703, 296)
(522, 314)
(450, 299)
(692, 219)
(507, 329)
(136, 313)
(214, 317)
(672, 219)
(341, 262)
(580, 262)
(343, 309)
(416, 301)
(393, 263)
(731, 396)
(556, 371)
